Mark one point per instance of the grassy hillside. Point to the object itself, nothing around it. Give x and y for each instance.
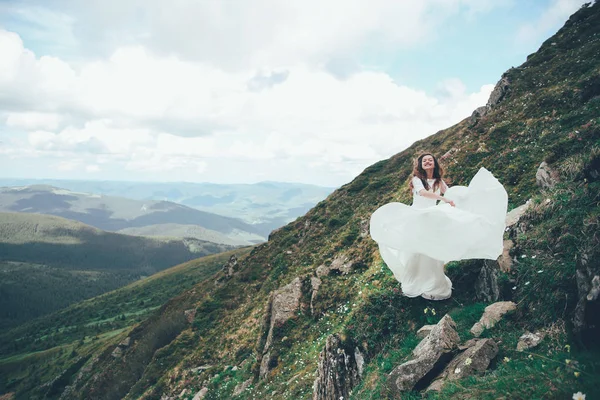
(186, 231)
(47, 262)
(548, 111)
(42, 349)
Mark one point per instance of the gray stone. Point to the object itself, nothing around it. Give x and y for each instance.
(499, 93)
(492, 314)
(338, 370)
(240, 387)
(486, 285)
(190, 315)
(315, 284)
(125, 342)
(442, 339)
(514, 215)
(424, 331)
(505, 261)
(322, 270)
(475, 359)
(545, 176)
(201, 394)
(529, 340)
(341, 263)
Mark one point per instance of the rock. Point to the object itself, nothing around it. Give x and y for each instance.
(545, 176)
(235, 368)
(424, 331)
(282, 305)
(499, 93)
(240, 387)
(442, 340)
(529, 340)
(586, 317)
(190, 315)
(360, 360)
(231, 266)
(364, 228)
(322, 270)
(492, 314)
(201, 394)
(338, 370)
(342, 264)
(183, 392)
(591, 172)
(478, 113)
(117, 352)
(125, 342)
(201, 368)
(486, 285)
(595, 289)
(474, 360)
(505, 261)
(315, 284)
(514, 215)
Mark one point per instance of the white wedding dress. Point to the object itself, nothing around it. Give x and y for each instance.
(415, 242)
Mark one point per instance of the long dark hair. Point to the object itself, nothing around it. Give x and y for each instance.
(419, 172)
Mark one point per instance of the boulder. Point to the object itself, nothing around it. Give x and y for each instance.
(190, 315)
(514, 215)
(499, 93)
(240, 387)
(339, 370)
(342, 264)
(505, 261)
(201, 394)
(429, 353)
(475, 359)
(545, 176)
(529, 340)
(424, 331)
(492, 314)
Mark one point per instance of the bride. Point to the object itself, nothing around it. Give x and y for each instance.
(415, 242)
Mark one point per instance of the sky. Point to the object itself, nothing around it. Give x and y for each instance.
(238, 91)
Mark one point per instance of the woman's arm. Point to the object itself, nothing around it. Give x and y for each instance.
(431, 195)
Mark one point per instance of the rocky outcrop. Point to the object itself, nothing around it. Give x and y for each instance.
(341, 264)
(546, 177)
(201, 394)
(315, 284)
(282, 306)
(190, 315)
(514, 215)
(434, 349)
(529, 340)
(588, 288)
(340, 368)
(475, 359)
(424, 331)
(498, 94)
(118, 351)
(240, 387)
(492, 314)
(505, 261)
(486, 285)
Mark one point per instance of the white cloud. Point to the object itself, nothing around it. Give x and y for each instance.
(242, 91)
(549, 21)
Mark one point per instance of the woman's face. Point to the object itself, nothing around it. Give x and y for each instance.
(427, 163)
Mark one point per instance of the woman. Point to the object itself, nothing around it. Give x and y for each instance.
(415, 242)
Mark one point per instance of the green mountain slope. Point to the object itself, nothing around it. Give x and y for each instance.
(47, 262)
(319, 289)
(66, 337)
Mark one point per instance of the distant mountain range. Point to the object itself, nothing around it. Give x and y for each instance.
(145, 217)
(48, 262)
(267, 205)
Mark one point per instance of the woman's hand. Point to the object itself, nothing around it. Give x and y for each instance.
(450, 202)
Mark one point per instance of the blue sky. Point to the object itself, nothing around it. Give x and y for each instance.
(238, 91)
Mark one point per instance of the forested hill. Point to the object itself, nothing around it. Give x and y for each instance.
(314, 312)
(47, 262)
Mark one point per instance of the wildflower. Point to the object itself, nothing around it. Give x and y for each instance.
(576, 373)
(530, 357)
(578, 396)
(514, 288)
(425, 310)
(506, 359)
(524, 255)
(468, 361)
(527, 283)
(433, 311)
(568, 347)
(540, 271)
(457, 371)
(533, 256)
(567, 361)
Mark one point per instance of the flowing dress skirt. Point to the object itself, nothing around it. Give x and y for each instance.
(415, 243)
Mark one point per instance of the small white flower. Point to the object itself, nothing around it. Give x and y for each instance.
(526, 283)
(457, 371)
(468, 361)
(533, 256)
(524, 255)
(514, 288)
(540, 271)
(578, 396)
